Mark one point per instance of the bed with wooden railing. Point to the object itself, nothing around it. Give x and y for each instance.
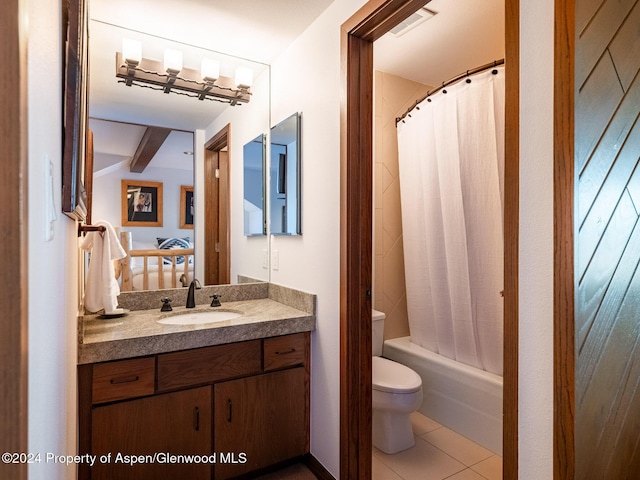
(154, 269)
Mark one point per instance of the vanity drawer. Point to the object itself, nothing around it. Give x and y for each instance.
(123, 379)
(208, 365)
(285, 351)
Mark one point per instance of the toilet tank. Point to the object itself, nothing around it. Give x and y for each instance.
(377, 332)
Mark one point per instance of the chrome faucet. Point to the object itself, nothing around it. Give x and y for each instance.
(193, 286)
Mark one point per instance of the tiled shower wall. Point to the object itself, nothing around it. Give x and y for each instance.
(393, 95)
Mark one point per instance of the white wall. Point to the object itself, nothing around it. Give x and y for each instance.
(535, 405)
(306, 79)
(53, 286)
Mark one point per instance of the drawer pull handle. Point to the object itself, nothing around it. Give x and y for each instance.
(292, 350)
(116, 381)
(230, 410)
(196, 418)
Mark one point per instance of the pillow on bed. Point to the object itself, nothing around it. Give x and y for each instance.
(172, 244)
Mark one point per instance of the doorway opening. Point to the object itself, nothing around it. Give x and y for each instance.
(372, 21)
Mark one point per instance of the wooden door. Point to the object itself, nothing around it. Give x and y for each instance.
(606, 214)
(174, 423)
(212, 219)
(223, 236)
(14, 405)
(259, 421)
(217, 263)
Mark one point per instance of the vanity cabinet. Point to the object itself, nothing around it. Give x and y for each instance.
(244, 405)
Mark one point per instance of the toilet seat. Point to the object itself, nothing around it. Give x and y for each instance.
(393, 377)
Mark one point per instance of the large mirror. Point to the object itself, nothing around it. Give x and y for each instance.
(142, 134)
(236, 34)
(285, 178)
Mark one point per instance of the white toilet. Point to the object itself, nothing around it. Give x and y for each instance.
(397, 391)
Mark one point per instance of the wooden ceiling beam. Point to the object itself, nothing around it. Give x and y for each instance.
(151, 142)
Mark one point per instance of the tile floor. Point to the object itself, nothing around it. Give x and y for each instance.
(439, 453)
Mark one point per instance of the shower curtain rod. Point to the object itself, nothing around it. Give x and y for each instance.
(495, 63)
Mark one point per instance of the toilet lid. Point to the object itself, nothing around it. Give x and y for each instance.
(393, 377)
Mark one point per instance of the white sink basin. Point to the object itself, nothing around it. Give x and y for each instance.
(199, 318)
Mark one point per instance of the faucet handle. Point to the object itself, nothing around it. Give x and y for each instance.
(215, 300)
(166, 305)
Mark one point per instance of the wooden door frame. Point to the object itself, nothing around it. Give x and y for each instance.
(13, 221)
(358, 33)
(215, 144)
(563, 239)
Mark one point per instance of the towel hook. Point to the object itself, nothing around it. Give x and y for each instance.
(90, 228)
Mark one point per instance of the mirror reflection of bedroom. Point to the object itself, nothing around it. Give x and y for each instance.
(149, 179)
(141, 228)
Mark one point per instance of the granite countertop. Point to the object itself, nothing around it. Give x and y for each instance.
(138, 333)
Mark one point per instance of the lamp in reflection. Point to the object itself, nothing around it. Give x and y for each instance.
(171, 76)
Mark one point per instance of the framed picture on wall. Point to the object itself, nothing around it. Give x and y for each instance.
(187, 209)
(141, 203)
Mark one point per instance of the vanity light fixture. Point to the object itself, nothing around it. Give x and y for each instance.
(172, 76)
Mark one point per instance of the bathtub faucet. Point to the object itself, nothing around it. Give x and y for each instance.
(191, 301)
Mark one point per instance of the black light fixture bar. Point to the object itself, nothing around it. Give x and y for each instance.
(150, 74)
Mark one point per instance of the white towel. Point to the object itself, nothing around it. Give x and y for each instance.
(101, 288)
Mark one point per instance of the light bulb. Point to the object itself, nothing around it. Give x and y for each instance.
(131, 51)
(172, 61)
(244, 77)
(209, 70)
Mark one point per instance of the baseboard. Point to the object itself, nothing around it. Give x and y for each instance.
(317, 468)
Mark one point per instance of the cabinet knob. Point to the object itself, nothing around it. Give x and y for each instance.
(230, 410)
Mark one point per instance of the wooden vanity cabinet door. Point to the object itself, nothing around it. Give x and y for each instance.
(178, 423)
(261, 419)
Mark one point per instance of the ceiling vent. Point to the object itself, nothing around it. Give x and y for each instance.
(413, 21)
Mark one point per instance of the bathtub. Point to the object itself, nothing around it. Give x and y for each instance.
(462, 398)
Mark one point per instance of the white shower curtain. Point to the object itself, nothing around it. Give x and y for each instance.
(451, 160)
